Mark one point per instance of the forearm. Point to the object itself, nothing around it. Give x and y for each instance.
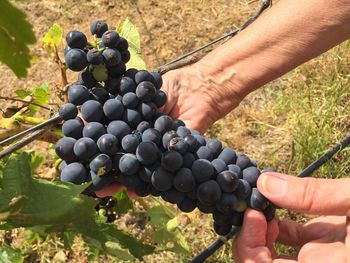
(287, 35)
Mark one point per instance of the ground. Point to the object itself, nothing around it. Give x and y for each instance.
(286, 125)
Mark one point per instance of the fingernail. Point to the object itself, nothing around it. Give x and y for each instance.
(273, 184)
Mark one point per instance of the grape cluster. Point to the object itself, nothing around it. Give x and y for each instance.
(105, 208)
(114, 132)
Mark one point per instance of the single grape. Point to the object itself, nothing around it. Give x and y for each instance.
(184, 180)
(110, 39)
(118, 128)
(178, 144)
(171, 161)
(98, 27)
(111, 57)
(167, 137)
(215, 146)
(122, 44)
(64, 149)
(243, 189)
(241, 206)
(202, 170)
(227, 203)
(94, 130)
(163, 124)
(127, 84)
(204, 152)
(209, 192)
(108, 144)
(143, 75)
(158, 81)
(94, 56)
(206, 209)
(145, 172)
(86, 79)
(187, 205)
(125, 56)
(192, 142)
(130, 100)
(145, 91)
(147, 110)
(113, 109)
(152, 135)
(242, 161)
(75, 59)
(129, 164)
(221, 219)
(76, 39)
(143, 125)
(228, 181)
(173, 196)
(131, 72)
(118, 70)
(162, 180)
(77, 94)
(101, 164)
(257, 201)
(92, 111)
(183, 131)
(147, 152)
(131, 180)
(74, 173)
(68, 111)
(269, 212)
(228, 156)
(130, 143)
(200, 139)
(160, 98)
(85, 148)
(178, 123)
(251, 175)
(193, 193)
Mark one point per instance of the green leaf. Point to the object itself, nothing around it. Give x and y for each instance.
(175, 238)
(41, 95)
(22, 93)
(10, 255)
(53, 37)
(36, 160)
(16, 33)
(124, 204)
(129, 31)
(158, 216)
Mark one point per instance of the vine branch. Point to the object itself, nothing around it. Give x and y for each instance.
(24, 101)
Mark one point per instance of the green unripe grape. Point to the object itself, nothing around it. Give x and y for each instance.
(242, 206)
(100, 73)
(102, 212)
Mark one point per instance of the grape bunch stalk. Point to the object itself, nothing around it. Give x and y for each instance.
(114, 132)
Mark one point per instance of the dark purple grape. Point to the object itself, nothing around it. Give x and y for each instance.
(129, 164)
(101, 164)
(188, 160)
(86, 79)
(147, 110)
(173, 196)
(112, 85)
(100, 95)
(85, 148)
(74, 173)
(204, 152)
(113, 109)
(257, 201)
(78, 94)
(110, 39)
(94, 56)
(130, 142)
(206, 209)
(132, 117)
(145, 91)
(145, 172)
(215, 146)
(251, 175)
(184, 180)
(130, 100)
(163, 124)
(171, 161)
(162, 180)
(242, 161)
(143, 125)
(75, 59)
(68, 111)
(160, 98)
(64, 149)
(200, 139)
(147, 152)
(152, 135)
(98, 27)
(178, 144)
(99, 182)
(94, 130)
(76, 39)
(125, 55)
(236, 169)
(227, 203)
(228, 156)
(158, 81)
(92, 111)
(243, 190)
(143, 75)
(202, 170)
(118, 128)
(122, 44)
(228, 181)
(183, 131)
(108, 144)
(269, 212)
(111, 57)
(178, 123)
(73, 128)
(167, 137)
(222, 230)
(192, 142)
(219, 165)
(118, 70)
(131, 180)
(209, 192)
(187, 205)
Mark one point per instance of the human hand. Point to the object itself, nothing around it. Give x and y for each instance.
(197, 99)
(323, 239)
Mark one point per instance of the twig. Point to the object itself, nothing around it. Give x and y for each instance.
(24, 101)
(44, 125)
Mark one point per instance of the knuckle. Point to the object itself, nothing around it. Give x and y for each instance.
(309, 193)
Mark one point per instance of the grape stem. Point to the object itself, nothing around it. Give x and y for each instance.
(210, 250)
(25, 102)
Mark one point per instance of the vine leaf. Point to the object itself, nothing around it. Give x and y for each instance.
(10, 255)
(53, 37)
(129, 31)
(16, 33)
(53, 206)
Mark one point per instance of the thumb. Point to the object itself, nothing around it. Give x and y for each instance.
(308, 195)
